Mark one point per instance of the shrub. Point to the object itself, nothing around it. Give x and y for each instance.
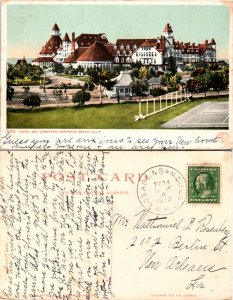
(157, 92)
(81, 97)
(32, 100)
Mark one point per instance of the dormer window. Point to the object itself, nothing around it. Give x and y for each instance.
(122, 47)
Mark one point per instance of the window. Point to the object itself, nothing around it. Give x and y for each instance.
(122, 60)
(117, 59)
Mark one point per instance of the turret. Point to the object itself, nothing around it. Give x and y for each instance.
(213, 44)
(66, 41)
(168, 33)
(56, 30)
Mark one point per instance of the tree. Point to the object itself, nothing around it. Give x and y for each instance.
(193, 85)
(143, 73)
(32, 100)
(152, 72)
(101, 78)
(155, 92)
(89, 85)
(172, 65)
(10, 92)
(171, 82)
(57, 93)
(135, 72)
(198, 71)
(137, 65)
(58, 68)
(204, 81)
(225, 75)
(139, 87)
(217, 81)
(81, 97)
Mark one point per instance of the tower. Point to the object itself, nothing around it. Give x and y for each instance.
(56, 30)
(66, 41)
(168, 33)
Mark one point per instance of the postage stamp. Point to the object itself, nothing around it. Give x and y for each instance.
(164, 190)
(203, 184)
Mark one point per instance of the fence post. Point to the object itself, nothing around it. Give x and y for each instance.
(166, 100)
(160, 103)
(154, 104)
(185, 96)
(147, 108)
(171, 98)
(176, 97)
(139, 107)
(181, 95)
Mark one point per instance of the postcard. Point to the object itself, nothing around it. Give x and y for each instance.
(116, 225)
(116, 75)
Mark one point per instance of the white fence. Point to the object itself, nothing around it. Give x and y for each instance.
(155, 105)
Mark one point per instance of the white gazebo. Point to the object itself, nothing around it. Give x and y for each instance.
(122, 86)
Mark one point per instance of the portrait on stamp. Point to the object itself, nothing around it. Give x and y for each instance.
(203, 184)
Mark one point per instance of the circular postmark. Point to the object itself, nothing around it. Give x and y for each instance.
(161, 190)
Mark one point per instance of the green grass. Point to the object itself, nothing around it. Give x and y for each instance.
(81, 78)
(116, 116)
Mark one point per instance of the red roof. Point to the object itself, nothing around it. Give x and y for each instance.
(66, 38)
(72, 58)
(129, 45)
(43, 59)
(167, 28)
(97, 52)
(87, 39)
(109, 47)
(55, 27)
(148, 43)
(130, 42)
(52, 45)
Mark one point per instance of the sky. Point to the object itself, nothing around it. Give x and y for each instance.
(29, 26)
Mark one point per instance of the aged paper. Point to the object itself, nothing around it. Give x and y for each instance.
(116, 225)
(73, 137)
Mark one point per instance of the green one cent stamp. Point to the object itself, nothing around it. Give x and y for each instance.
(203, 184)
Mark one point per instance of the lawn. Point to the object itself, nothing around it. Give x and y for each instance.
(81, 78)
(113, 116)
